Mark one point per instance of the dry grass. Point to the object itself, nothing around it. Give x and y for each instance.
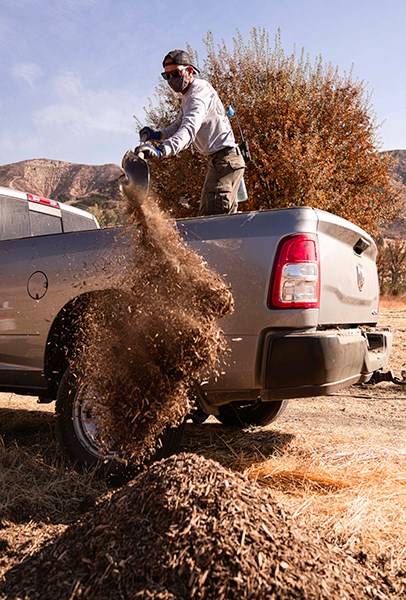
(352, 493)
(356, 498)
(36, 483)
(398, 301)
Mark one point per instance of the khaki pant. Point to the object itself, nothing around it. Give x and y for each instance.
(224, 173)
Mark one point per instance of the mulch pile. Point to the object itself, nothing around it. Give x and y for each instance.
(189, 528)
(146, 345)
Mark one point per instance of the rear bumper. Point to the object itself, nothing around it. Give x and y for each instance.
(318, 363)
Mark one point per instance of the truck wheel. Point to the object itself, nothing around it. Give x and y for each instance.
(243, 414)
(78, 437)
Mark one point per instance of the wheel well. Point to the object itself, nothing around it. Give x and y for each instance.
(62, 340)
(66, 331)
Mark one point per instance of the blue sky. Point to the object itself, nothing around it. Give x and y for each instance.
(74, 72)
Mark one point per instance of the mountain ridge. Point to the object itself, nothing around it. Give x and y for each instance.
(62, 181)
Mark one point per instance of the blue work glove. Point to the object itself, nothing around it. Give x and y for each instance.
(148, 151)
(146, 133)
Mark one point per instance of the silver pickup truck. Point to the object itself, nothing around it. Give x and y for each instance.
(306, 306)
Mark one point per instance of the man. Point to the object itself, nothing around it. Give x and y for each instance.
(201, 121)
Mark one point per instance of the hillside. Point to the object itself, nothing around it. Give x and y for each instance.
(397, 229)
(63, 181)
(400, 156)
(86, 185)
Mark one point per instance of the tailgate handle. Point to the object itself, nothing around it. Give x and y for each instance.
(361, 245)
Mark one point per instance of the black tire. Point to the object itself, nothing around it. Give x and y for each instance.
(77, 435)
(244, 414)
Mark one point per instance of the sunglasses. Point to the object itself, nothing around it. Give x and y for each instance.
(175, 74)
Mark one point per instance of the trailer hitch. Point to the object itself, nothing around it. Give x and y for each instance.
(379, 376)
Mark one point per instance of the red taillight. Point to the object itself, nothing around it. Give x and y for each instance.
(40, 200)
(295, 281)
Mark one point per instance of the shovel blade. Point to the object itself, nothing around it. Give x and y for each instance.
(135, 182)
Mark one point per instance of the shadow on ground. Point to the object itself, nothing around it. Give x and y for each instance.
(232, 447)
(38, 484)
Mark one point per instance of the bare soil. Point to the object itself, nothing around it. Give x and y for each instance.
(326, 481)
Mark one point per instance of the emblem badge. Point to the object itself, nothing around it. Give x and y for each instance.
(360, 277)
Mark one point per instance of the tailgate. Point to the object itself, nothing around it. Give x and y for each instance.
(349, 281)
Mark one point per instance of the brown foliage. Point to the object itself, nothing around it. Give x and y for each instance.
(392, 266)
(311, 132)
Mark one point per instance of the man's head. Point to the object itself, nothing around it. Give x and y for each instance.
(179, 70)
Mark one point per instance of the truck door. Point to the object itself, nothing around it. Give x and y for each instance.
(22, 219)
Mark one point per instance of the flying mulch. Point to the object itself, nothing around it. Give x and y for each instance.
(189, 528)
(146, 345)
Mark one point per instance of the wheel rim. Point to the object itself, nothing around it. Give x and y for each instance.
(85, 426)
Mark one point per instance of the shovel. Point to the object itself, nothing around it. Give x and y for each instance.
(134, 183)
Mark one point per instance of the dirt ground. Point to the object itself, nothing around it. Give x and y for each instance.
(337, 464)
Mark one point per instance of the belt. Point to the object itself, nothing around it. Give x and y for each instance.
(225, 151)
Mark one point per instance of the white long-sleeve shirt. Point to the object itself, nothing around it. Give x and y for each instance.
(201, 121)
